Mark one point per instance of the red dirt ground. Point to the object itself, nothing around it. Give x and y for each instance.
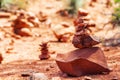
(22, 55)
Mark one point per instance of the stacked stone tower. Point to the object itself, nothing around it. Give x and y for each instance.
(87, 59)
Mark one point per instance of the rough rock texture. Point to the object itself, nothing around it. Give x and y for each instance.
(87, 59)
(82, 62)
(84, 41)
(24, 22)
(82, 38)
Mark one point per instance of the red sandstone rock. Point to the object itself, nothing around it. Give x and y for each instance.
(84, 40)
(82, 62)
(82, 12)
(24, 22)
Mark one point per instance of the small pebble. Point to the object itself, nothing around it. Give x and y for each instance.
(56, 78)
(40, 76)
(25, 74)
(47, 69)
(106, 49)
(87, 78)
(65, 75)
(114, 78)
(51, 66)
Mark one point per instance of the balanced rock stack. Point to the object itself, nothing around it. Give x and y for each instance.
(24, 23)
(87, 59)
(82, 38)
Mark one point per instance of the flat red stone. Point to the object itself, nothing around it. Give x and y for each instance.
(82, 62)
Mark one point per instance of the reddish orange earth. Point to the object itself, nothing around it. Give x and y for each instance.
(21, 54)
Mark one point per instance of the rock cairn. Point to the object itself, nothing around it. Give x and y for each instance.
(87, 59)
(44, 51)
(82, 38)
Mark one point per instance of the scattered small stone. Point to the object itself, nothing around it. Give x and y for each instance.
(25, 74)
(87, 78)
(52, 52)
(42, 17)
(31, 78)
(11, 42)
(64, 75)
(106, 49)
(40, 76)
(10, 50)
(51, 66)
(105, 73)
(63, 31)
(47, 69)
(25, 32)
(56, 78)
(44, 57)
(114, 78)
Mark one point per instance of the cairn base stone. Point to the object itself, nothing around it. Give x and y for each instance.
(82, 62)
